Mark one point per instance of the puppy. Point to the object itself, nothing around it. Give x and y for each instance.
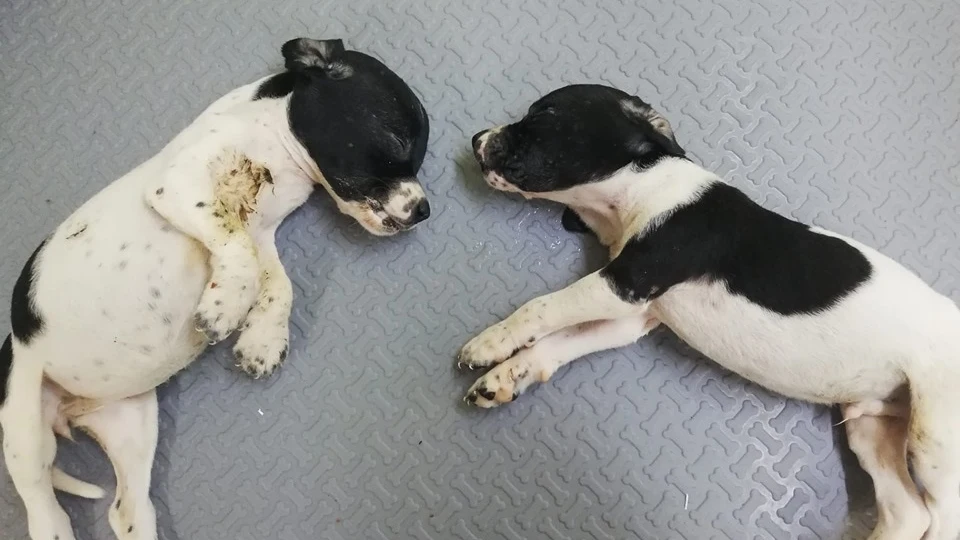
(802, 311)
(179, 253)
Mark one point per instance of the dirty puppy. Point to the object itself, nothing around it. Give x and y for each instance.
(180, 253)
(802, 311)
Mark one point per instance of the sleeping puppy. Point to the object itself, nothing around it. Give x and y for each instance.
(179, 253)
(802, 311)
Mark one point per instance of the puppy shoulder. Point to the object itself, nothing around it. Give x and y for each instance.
(723, 236)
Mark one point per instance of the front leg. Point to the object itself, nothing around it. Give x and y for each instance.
(211, 203)
(262, 345)
(589, 299)
(508, 380)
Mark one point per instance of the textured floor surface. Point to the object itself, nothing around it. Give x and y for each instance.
(844, 114)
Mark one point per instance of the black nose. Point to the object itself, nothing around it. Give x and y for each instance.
(420, 212)
(476, 142)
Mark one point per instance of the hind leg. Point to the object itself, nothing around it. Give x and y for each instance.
(880, 443)
(29, 447)
(935, 445)
(127, 431)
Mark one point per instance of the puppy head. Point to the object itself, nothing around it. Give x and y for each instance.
(573, 136)
(363, 127)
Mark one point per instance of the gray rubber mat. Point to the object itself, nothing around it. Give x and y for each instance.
(844, 114)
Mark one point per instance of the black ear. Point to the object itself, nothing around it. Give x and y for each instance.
(571, 221)
(662, 133)
(326, 54)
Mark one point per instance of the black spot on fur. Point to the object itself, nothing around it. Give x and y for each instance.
(124, 246)
(762, 256)
(154, 292)
(6, 363)
(118, 504)
(78, 233)
(201, 204)
(130, 529)
(24, 317)
(159, 191)
(571, 221)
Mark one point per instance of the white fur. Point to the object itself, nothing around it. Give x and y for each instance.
(123, 284)
(892, 331)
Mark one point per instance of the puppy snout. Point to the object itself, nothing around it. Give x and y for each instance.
(420, 212)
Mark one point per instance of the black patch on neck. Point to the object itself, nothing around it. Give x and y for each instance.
(572, 222)
(24, 318)
(770, 260)
(276, 86)
(6, 364)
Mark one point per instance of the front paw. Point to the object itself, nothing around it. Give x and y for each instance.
(262, 346)
(503, 383)
(492, 346)
(224, 305)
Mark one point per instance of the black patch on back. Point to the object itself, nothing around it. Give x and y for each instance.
(6, 364)
(24, 318)
(277, 86)
(768, 259)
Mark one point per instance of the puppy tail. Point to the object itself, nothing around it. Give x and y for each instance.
(65, 482)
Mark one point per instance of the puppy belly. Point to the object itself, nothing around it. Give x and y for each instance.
(824, 358)
(118, 301)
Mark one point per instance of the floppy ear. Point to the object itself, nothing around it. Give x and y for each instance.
(326, 54)
(638, 109)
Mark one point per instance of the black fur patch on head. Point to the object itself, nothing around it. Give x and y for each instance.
(770, 260)
(575, 135)
(24, 317)
(6, 364)
(359, 121)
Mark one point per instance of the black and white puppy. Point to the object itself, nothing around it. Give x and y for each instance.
(179, 253)
(802, 311)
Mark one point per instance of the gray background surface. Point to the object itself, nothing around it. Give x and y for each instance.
(843, 114)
